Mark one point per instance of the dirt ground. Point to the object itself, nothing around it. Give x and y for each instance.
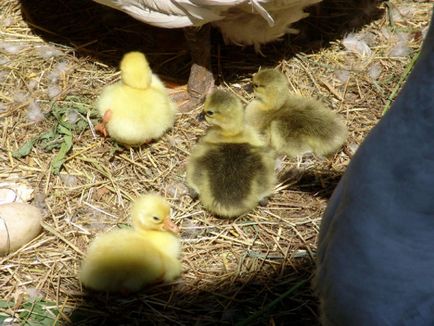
(56, 56)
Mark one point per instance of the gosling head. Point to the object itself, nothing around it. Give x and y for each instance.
(270, 87)
(225, 111)
(135, 71)
(152, 212)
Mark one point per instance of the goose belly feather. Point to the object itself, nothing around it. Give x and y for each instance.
(243, 22)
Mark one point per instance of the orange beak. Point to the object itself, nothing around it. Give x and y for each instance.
(168, 225)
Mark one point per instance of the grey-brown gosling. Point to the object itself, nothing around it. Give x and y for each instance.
(292, 124)
(230, 168)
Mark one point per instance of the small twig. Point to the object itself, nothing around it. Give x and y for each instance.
(52, 230)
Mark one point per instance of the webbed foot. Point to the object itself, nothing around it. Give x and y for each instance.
(101, 127)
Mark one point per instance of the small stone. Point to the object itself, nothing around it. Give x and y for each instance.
(19, 224)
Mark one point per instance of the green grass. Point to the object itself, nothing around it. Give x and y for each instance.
(30, 313)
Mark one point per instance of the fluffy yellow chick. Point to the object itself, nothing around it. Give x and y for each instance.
(294, 125)
(126, 260)
(137, 109)
(230, 168)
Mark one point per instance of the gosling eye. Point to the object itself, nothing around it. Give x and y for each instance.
(255, 85)
(156, 219)
(209, 113)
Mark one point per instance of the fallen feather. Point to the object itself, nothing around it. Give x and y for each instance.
(355, 44)
(53, 91)
(11, 47)
(34, 113)
(48, 51)
(21, 97)
(342, 75)
(374, 71)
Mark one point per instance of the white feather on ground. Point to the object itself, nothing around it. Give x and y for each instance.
(342, 75)
(57, 72)
(34, 113)
(21, 97)
(72, 116)
(48, 51)
(69, 180)
(401, 48)
(355, 43)
(374, 71)
(53, 90)
(12, 47)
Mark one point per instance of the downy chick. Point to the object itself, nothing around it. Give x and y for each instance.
(294, 125)
(126, 260)
(230, 168)
(137, 109)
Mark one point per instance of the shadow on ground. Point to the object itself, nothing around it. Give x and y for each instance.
(280, 298)
(106, 34)
(318, 183)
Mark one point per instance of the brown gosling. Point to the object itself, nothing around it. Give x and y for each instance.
(230, 169)
(293, 125)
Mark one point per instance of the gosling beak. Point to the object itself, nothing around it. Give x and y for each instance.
(168, 225)
(201, 117)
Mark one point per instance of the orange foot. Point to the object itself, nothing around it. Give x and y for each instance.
(101, 127)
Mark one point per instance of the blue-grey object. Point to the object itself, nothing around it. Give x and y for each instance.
(376, 243)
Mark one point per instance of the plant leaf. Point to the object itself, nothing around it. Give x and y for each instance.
(25, 149)
(48, 135)
(59, 159)
(60, 136)
(38, 313)
(49, 144)
(6, 304)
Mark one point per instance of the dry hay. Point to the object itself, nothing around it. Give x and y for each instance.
(253, 269)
